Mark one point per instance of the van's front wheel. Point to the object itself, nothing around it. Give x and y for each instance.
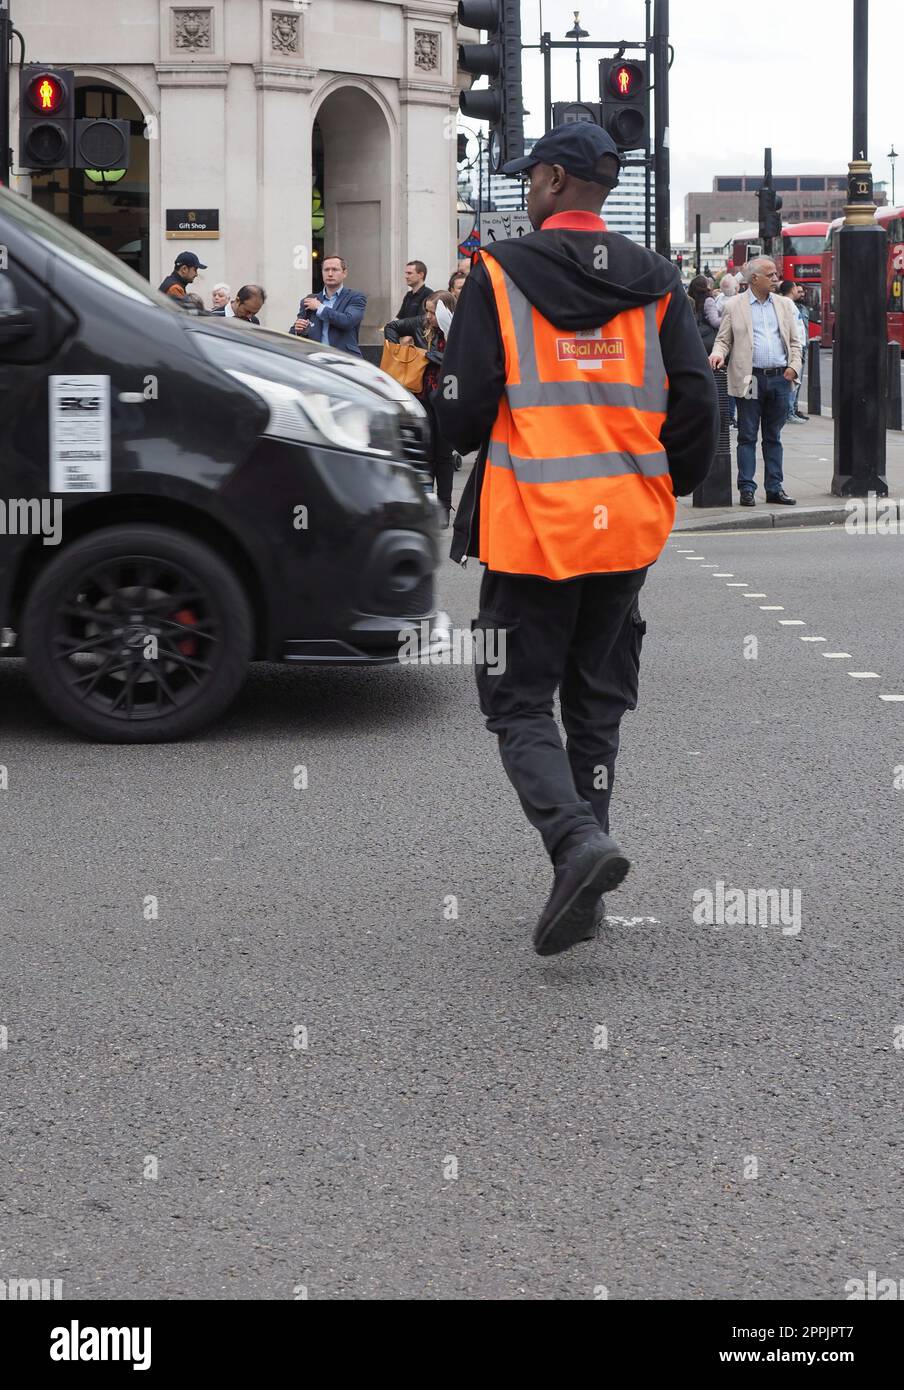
(137, 634)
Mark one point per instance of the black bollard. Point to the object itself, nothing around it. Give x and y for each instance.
(715, 490)
(814, 387)
(893, 390)
(861, 256)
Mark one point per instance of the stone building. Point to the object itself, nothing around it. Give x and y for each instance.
(289, 128)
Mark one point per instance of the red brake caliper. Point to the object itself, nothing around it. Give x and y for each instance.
(188, 646)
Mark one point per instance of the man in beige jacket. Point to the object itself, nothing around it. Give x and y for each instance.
(759, 340)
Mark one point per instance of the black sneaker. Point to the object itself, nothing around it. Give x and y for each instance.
(572, 914)
(747, 499)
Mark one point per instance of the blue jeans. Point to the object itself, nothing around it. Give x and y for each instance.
(770, 411)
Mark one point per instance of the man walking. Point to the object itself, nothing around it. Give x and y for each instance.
(574, 364)
(334, 316)
(418, 290)
(248, 302)
(759, 332)
(184, 272)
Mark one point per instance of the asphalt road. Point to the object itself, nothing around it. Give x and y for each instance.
(436, 1044)
(825, 371)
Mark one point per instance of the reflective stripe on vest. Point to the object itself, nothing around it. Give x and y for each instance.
(568, 470)
(577, 481)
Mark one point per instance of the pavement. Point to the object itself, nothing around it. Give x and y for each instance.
(266, 1042)
(809, 464)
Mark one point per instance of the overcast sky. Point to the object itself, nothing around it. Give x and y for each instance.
(748, 77)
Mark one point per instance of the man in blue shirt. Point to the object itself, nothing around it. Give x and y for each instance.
(759, 340)
(334, 316)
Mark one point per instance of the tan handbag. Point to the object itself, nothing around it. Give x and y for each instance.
(404, 364)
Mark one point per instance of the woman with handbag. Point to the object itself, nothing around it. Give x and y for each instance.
(425, 337)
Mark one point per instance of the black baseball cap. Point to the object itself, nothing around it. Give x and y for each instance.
(578, 147)
(189, 258)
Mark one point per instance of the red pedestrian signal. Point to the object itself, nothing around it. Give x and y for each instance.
(626, 80)
(46, 117)
(625, 96)
(46, 93)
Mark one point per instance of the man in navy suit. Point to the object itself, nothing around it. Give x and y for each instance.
(334, 316)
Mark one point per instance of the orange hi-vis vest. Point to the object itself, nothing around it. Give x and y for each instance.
(576, 479)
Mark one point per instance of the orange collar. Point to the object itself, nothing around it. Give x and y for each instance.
(575, 221)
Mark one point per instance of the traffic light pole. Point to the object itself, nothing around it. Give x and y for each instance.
(860, 358)
(6, 30)
(648, 151)
(662, 160)
(767, 241)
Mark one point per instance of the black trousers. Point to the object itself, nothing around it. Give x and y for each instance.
(442, 463)
(581, 637)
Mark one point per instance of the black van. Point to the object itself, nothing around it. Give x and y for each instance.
(180, 495)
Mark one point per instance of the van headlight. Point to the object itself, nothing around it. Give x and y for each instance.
(317, 416)
(309, 405)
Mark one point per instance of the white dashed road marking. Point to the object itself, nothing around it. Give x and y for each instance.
(788, 622)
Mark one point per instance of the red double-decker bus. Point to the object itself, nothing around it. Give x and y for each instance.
(803, 247)
(801, 259)
(892, 219)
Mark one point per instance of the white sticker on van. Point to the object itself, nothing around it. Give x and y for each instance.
(79, 433)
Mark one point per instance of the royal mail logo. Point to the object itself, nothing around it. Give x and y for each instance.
(590, 349)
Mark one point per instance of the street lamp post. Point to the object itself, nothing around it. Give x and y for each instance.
(892, 156)
(860, 359)
(577, 33)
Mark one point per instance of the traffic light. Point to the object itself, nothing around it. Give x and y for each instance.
(625, 96)
(770, 215)
(499, 59)
(101, 145)
(46, 117)
(569, 112)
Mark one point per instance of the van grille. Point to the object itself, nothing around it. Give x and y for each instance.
(413, 434)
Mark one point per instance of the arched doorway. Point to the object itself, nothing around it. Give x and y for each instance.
(352, 172)
(114, 214)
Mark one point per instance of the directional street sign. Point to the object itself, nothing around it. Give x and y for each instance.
(499, 226)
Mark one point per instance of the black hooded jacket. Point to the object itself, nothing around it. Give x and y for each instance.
(555, 269)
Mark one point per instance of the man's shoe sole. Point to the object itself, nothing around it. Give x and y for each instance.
(576, 919)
